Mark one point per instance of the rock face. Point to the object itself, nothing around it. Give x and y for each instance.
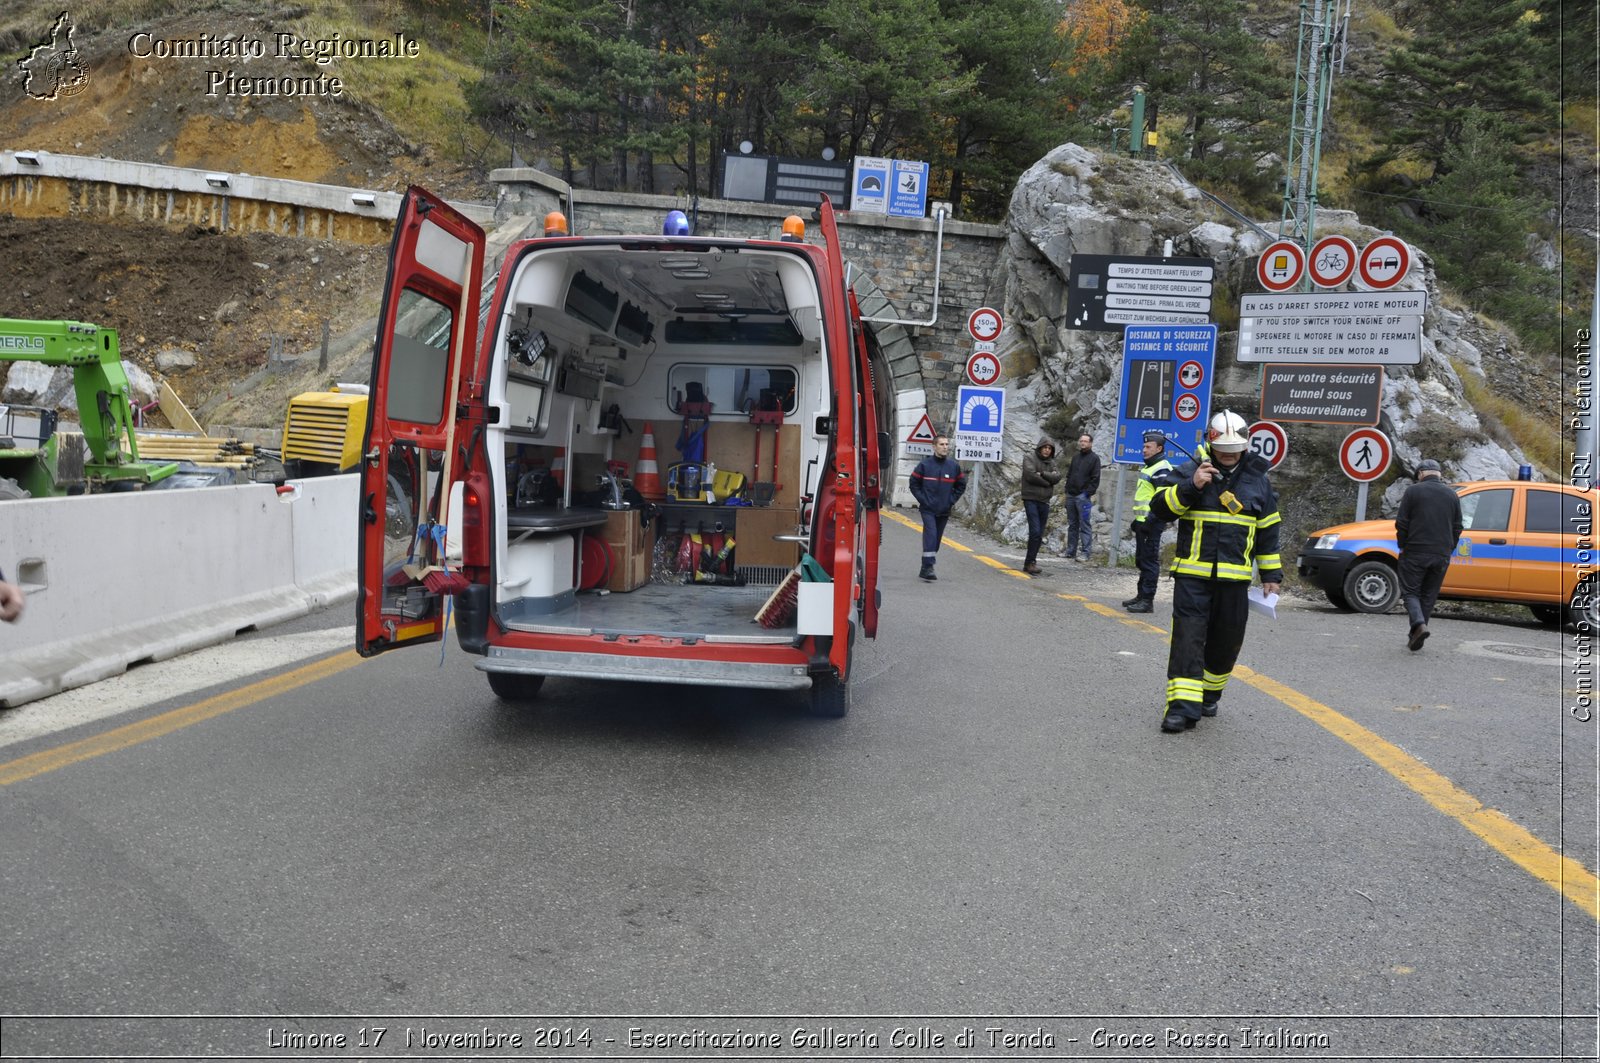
(1078, 201)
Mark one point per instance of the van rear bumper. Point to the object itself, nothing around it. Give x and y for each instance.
(776, 676)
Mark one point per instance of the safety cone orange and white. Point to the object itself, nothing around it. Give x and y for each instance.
(647, 475)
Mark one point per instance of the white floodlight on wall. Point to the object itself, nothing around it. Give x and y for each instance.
(364, 199)
(31, 158)
(217, 180)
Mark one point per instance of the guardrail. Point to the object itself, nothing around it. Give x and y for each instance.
(119, 579)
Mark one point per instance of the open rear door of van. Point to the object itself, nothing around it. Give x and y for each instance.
(425, 345)
(871, 475)
(844, 565)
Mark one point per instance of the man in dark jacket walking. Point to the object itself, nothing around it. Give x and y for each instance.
(1039, 479)
(937, 483)
(1427, 529)
(1083, 480)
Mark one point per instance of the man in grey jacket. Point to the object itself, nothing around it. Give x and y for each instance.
(1039, 479)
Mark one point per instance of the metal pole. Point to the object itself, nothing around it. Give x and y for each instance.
(1361, 502)
(1116, 517)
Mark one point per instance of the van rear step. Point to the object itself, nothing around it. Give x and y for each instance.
(645, 669)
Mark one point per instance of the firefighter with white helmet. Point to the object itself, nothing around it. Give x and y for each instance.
(1228, 520)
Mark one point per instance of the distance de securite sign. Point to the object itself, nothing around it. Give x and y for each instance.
(1332, 327)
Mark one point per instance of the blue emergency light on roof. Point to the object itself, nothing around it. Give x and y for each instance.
(677, 224)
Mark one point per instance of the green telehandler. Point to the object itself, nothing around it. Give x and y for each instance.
(38, 467)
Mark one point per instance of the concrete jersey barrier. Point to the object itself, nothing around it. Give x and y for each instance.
(118, 579)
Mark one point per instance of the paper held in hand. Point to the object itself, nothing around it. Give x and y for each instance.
(1265, 604)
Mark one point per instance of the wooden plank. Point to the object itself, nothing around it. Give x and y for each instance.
(176, 411)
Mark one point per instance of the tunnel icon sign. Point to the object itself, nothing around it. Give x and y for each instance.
(980, 411)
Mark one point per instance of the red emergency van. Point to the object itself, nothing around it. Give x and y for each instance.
(657, 459)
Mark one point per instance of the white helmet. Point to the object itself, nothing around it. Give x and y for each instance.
(1229, 433)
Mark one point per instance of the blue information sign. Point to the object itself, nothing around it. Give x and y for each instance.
(908, 196)
(1166, 385)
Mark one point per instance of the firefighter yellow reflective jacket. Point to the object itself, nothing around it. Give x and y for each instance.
(1222, 529)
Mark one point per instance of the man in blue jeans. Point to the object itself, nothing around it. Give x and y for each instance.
(1083, 480)
(937, 483)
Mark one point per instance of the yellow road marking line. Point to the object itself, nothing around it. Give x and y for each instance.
(1516, 843)
(134, 733)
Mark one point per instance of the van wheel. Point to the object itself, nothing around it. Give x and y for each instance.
(515, 686)
(1585, 608)
(1338, 600)
(830, 698)
(1548, 615)
(1372, 587)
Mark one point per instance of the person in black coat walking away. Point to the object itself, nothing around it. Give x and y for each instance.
(1039, 479)
(1083, 480)
(1427, 529)
(937, 483)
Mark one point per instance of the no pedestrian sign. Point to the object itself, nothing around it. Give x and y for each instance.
(1365, 454)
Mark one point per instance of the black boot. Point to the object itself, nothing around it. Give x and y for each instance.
(1140, 605)
(1030, 564)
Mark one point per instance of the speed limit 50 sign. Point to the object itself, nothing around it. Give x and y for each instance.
(1270, 441)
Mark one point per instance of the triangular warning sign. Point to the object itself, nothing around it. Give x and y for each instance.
(923, 433)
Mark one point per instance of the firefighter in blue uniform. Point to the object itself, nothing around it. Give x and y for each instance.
(1228, 520)
(937, 483)
(1154, 475)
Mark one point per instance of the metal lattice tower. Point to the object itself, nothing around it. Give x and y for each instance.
(1321, 53)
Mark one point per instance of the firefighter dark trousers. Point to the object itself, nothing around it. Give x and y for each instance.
(932, 535)
(1208, 619)
(1147, 555)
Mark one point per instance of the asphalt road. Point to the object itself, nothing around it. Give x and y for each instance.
(1361, 856)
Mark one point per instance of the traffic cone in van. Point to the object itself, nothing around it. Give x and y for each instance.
(647, 475)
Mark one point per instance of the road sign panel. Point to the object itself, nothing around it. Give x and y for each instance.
(985, 323)
(1281, 266)
(1092, 280)
(1134, 301)
(870, 188)
(1387, 339)
(908, 189)
(1325, 304)
(923, 432)
(1270, 441)
(1166, 384)
(1187, 269)
(1158, 287)
(983, 368)
(969, 447)
(1152, 317)
(1333, 260)
(1383, 262)
(1365, 454)
(980, 411)
(1322, 394)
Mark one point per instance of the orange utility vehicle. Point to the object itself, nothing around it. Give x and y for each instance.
(512, 474)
